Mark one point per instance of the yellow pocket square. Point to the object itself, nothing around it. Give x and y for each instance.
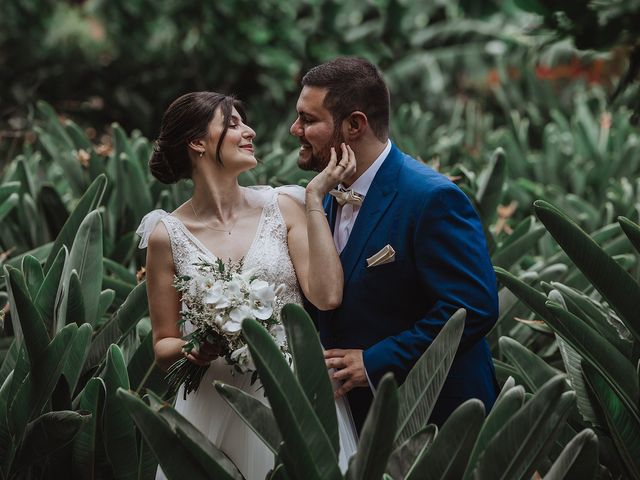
(386, 255)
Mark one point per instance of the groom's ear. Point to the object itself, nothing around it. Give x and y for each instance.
(355, 125)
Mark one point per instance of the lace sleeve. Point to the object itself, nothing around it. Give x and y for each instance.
(148, 224)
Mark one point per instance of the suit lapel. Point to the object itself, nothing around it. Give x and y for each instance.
(382, 191)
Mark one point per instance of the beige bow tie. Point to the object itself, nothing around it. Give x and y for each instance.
(347, 196)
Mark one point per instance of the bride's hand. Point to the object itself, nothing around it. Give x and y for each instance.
(334, 173)
(204, 355)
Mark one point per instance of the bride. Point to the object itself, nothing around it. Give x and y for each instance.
(280, 233)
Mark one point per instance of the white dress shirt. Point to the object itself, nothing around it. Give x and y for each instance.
(346, 214)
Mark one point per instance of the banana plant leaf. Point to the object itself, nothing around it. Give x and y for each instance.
(509, 255)
(7, 189)
(54, 210)
(45, 299)
(631, 230)
(176, 459)
(85, 257)
(310, 369)
(119, 325)
(449, 454)
(308, 451)
(36, 389)
(27, 323)
(33, 274)
(530, 296)
(9, 361)
(413, 448)
(84, 457)
(46, 434)
(578, 460)
(148, 465)
(119, 431)
(622, 419)
(254, 413)
(74, 310)
(491, 185)
(535, 371)
(89, 201)
(618, 371)
(41, 253)
(205, 452)
(104, 302)
(8, 205)
(77, 355)
(618, 287)
(143, 371)
(512, 451)
(506, 406)
(419, 392)
(572, 363)
(376, 439)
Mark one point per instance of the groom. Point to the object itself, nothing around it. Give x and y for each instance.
(412, 247)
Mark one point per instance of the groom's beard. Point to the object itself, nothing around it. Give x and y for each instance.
(317, 161)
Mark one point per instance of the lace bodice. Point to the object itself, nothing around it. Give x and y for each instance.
(268, 254)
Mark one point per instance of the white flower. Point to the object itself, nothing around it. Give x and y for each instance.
(236, 316)
(278, 334)
(214, 294)
(261, 296)
(234, 290)
(242, 357)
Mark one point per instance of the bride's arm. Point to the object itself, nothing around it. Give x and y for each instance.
(164, 304)
(311, 246)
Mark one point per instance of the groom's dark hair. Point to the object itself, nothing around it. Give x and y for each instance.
(352, 84)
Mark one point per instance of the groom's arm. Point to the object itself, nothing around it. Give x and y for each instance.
(454, 269)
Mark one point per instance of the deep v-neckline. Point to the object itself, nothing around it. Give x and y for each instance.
(208, 252)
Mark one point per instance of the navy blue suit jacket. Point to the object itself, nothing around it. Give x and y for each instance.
(394, 311)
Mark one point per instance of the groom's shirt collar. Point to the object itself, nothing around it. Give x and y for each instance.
(364, 181)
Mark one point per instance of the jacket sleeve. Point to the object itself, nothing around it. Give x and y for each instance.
(455, 270)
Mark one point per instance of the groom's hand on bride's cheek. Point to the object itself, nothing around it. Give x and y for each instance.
(349, 369)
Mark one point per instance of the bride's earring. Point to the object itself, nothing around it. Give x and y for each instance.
(201, 154)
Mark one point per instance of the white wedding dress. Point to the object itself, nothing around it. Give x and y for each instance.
(205, 408)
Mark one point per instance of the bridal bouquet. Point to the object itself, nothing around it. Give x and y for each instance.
(215, 301)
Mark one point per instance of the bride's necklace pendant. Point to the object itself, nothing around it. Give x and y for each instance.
(227, 231)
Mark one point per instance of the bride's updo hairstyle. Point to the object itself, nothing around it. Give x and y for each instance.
(186, 120)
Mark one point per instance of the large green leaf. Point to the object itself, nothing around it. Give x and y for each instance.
(310, 369)
(530, 296)
(121, 323)
(419, 392)
(490, 186)
(618, 287)
(308, 451)
(45, 299)
(33, 274)
(36, 389)
(77, 355)
(143, 371)
(54, 210)
(505, 407)
(84, 456)
(578, 460)
(207, 454)
(86, 258)
(8, 205)
(119, 431)
(509, 255)
(449, 454)
(632, 231)
(377, 436)
(618, 371)
(89, 201)
(254, 413)
(47, 434)
(176, 459)
(406, 454)
(74, 310)
(27, 323)
(535, 371)
(572, 363)
(7, 189)
(622, 420)
(9, 361)
(512, 451)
